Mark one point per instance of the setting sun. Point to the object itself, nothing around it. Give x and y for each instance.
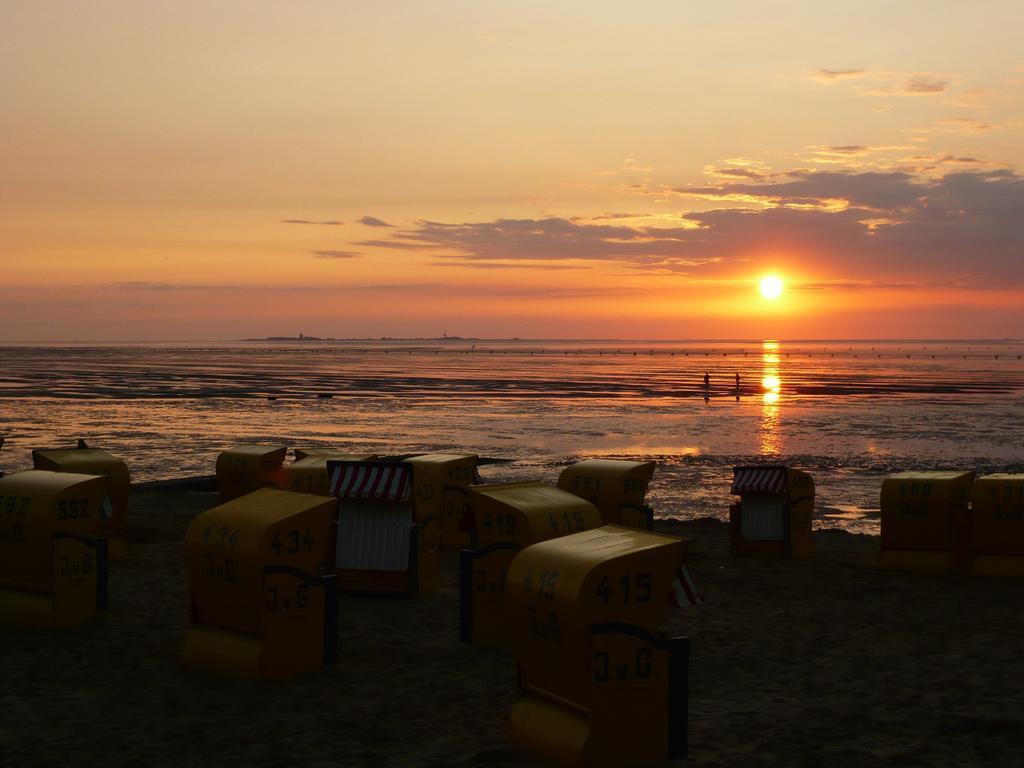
(771, 287)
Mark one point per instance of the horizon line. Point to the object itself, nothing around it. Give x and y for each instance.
(450, 339)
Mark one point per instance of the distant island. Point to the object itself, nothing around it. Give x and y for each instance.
(304, 337)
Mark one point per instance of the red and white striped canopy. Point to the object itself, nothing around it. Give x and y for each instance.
(684, 590)
(759, 480)
(376, 480)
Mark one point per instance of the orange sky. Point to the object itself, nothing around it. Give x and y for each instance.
(529, 169)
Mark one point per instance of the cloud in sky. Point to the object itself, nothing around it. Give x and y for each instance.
(964, 224)
(890, 228)
(556, 292)
(632, 165)
(549, 239)
(129, 287)
(888, 83)
(337, 254)
(872, 190)
(629, 165)
(856, 156)
(965, 124)
(490, 289)
(856, 149)
(972, 98)
(922, 84)
(373, 221)
(737, 173)
(610, 217)
(928, 164)
(832, 75)
(548, 267)
(328, 223)
(855, 285)
(146, 285)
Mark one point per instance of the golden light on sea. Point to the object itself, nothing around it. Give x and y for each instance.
(771, 383)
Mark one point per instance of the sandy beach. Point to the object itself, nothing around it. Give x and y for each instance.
(793, 663)
(769, 251)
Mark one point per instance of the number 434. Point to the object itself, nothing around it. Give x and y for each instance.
(292, 541)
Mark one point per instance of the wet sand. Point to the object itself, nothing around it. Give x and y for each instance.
(830, 661)
(584, 370)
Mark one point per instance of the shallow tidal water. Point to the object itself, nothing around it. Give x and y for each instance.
(848, 412)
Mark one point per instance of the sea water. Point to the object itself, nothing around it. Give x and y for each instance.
(848, 412)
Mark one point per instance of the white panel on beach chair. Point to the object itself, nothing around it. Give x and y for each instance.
(761, 519)
(373, 536)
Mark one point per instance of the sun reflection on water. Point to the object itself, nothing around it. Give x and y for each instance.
(772, 384)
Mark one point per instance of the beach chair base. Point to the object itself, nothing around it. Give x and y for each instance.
(25, 609)
(1002, 566)
(919, 561)
(117, 548)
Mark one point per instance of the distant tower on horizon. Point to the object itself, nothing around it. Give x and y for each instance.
(300, 334)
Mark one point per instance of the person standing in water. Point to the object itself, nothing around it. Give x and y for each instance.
(737, 386)
(707, 386)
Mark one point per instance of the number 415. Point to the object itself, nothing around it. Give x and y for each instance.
(633, 588)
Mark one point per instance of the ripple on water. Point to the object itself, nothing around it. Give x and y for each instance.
(848, 420)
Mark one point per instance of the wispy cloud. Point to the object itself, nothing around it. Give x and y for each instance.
(609, 217)
(398, 243)
(373, 221)
(629, 165)
(853, 285)
(855, 156)
(871, 190)
(832, 75)
(550, 239)
(146, 285)
(736, 173)
(632, 165)
(929, 164)
(844, 149)
(545, 267)
(918, 85)
(337, 254)
(491, 288)
(965, 125)
(887, 83)
(546, 292)
(742, 168)
(973, 98)
(401, 287)
(328, 223)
